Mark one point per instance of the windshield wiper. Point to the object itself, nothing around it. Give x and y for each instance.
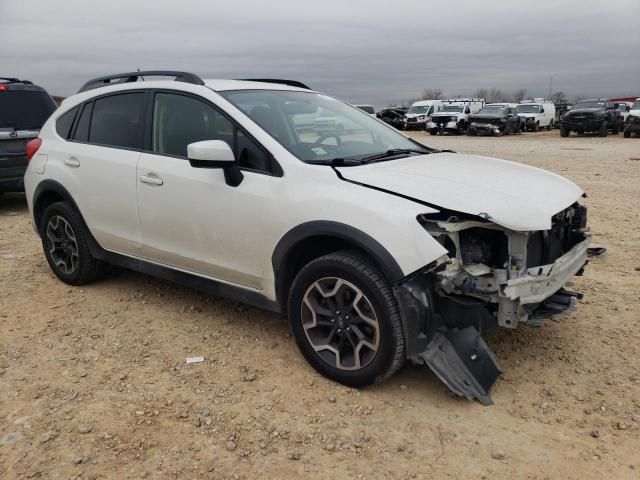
(336, 162)
(392, 153)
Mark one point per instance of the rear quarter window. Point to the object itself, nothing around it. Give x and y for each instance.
(65, 122)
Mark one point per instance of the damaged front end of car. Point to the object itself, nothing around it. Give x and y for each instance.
(491, 277)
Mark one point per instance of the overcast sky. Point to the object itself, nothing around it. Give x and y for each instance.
(364, 51)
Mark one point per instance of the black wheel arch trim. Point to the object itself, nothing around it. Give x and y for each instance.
(54, 186)
(323, 228)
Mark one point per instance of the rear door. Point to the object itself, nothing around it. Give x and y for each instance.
(99, 163)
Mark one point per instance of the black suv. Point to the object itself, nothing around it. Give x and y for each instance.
(595, 115)
(24, 107)
(494, 120)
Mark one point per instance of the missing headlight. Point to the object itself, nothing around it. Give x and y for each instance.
(482, 245)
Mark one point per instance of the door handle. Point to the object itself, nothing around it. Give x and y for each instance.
(150, 180)
(72, 162)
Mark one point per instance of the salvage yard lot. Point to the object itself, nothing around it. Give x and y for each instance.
(94, 384)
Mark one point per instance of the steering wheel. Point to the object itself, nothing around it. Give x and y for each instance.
(324, 136)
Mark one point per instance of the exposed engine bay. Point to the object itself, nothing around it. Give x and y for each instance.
(491, 276)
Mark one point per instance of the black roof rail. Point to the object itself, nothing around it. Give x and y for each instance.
(134, 76)
(16, 80)
(291, 83)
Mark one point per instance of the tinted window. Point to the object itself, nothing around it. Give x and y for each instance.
(82, 129)
(64, 123)
(117, 120)
(24, 109)
(179, 120)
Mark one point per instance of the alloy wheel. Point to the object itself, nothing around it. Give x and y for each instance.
(62, 244)
(340, 323)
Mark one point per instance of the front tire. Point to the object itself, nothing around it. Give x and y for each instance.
(65, 242)
(564, 131)
(603, 130)
(627, 133)
(345, 319)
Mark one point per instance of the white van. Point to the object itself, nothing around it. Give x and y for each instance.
(453, 117)
(537, 114)
(418, 115)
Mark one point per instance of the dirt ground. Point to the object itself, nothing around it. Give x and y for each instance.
(94, 384)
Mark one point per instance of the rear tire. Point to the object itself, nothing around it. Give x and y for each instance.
(65, 242)
(342, 303)
(627, 133)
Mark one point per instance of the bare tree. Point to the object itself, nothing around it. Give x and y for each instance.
(519, 94)
(432, 94)
(482, 93)
(558, 97)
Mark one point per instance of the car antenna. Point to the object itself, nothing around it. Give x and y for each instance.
(140, 75)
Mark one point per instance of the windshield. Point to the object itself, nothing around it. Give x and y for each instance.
(317, 128)
(452, 108)
(24, 110)
(635, 106)
(419, 109)
(589, 104)
(492, 111)
(527, 109)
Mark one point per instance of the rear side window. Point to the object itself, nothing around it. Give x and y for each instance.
(65, 122)
(117, 121)
(24, 110)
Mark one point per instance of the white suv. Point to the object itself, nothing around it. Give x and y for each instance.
(378, 248)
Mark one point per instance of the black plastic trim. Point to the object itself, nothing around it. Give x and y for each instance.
(290, 83)
(384, 260)
(131, 77)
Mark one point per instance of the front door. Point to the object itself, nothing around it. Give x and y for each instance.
(191, 219)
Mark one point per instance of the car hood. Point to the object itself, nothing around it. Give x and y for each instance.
(583, 110)
(528, 114)
(486, 117)
(414, 115)
(513, 195)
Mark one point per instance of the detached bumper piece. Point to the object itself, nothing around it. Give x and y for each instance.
(463, 361)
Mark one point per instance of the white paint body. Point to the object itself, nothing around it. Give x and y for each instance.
(544, 117)
(194, 222)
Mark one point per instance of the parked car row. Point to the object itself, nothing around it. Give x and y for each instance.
(472, 116)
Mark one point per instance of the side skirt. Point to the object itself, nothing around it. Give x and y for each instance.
(189, 280)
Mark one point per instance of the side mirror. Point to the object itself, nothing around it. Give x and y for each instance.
(627, 109)
(542, 110)
(215, 154)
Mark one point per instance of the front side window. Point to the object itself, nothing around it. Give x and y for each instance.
(319, 129)
(118, 121)
(179, 120)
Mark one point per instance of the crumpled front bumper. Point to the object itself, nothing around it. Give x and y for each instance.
(539, 283)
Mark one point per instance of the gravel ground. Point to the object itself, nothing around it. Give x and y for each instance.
(94, 384)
